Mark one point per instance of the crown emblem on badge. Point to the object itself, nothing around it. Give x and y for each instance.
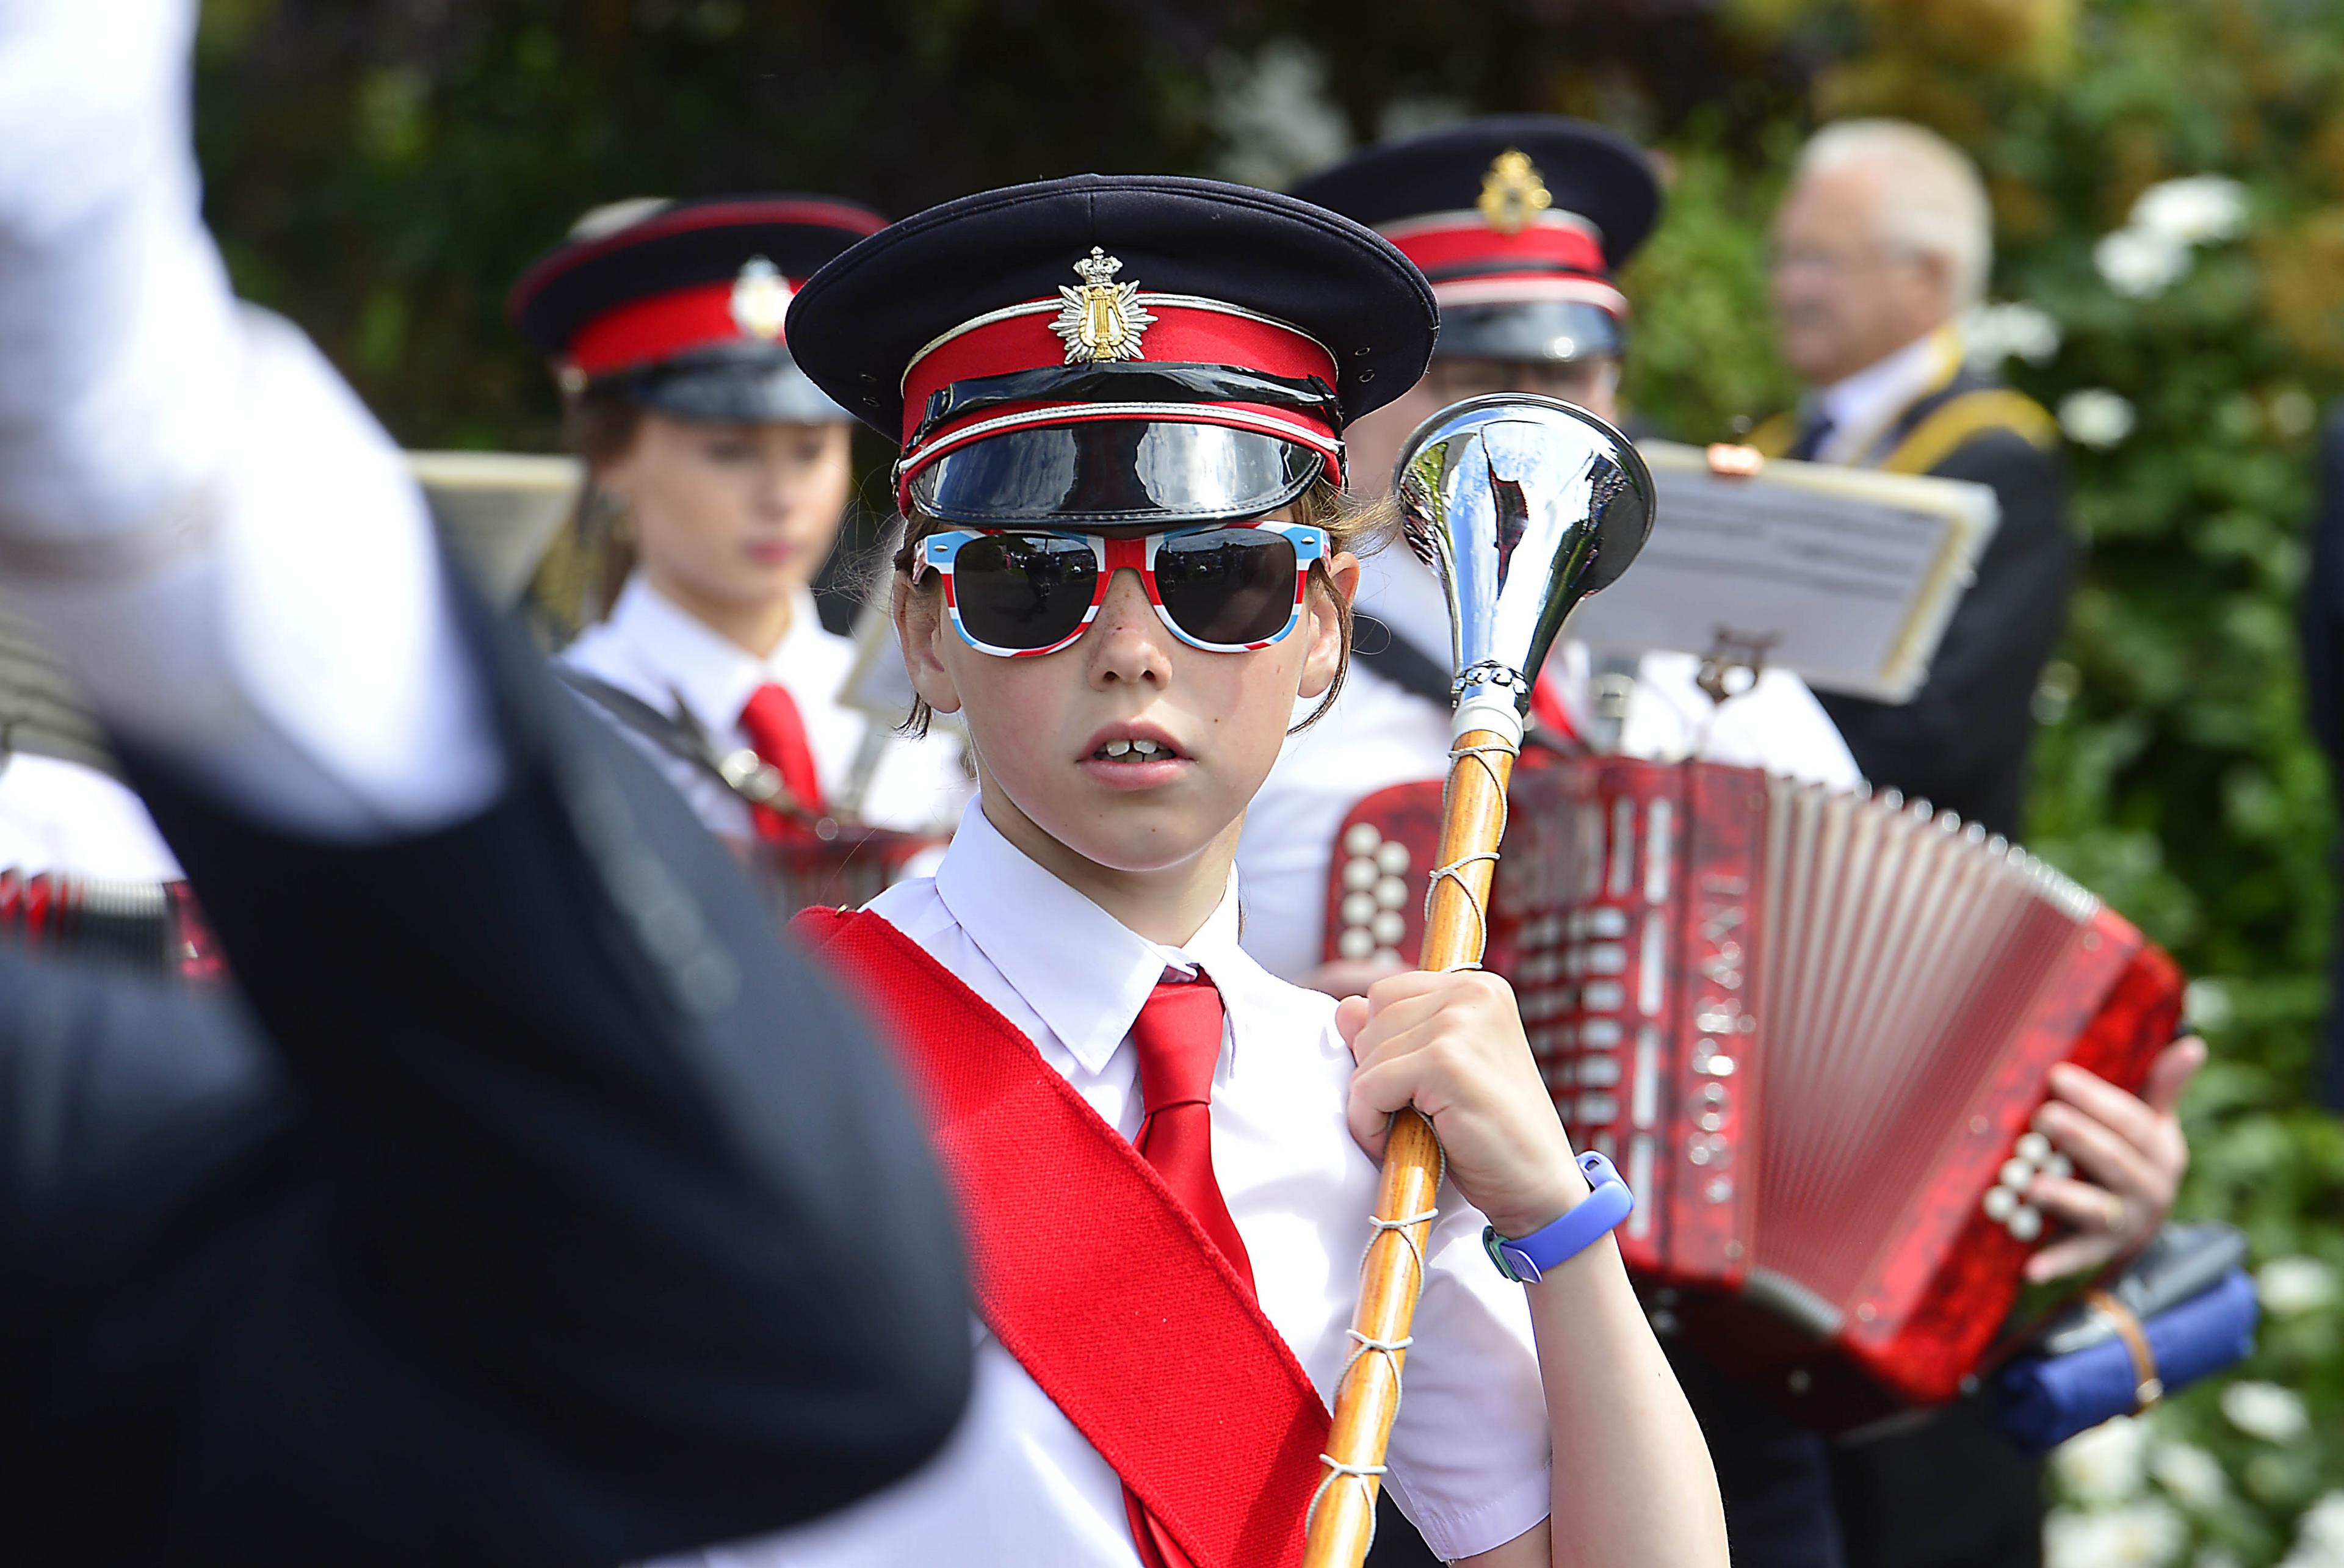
(1103, 319)
(760, 299)
(1512, 194)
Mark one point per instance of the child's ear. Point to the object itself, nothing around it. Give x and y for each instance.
(1322, 621)
(919, 629)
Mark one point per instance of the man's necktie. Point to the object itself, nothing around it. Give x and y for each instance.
(777, 730)
(1178, 1038)
(1814, 431)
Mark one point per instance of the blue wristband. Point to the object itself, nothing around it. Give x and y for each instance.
(1527, 1261)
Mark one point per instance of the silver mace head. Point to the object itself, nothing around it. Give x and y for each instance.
(1524, 505)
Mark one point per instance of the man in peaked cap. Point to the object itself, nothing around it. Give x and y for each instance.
(1519, 222)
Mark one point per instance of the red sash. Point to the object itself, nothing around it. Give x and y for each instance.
(1093, 1275)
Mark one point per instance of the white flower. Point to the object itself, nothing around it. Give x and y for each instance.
(2095, 416)
(2139, 263)
(2289, 1286)
(2265, 1410)
(2141, 1535)
(2200, 209)
(1274, 115)
(2319, 1535)
(2103, 1464)
(1994, 333)
(2206, 1004)
(2189, 1473)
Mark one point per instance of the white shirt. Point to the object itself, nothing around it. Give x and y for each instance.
(1377, 735)
(1861, 408)
(61, 816)
(202, 521)
(1019, 1486)
(654, 649)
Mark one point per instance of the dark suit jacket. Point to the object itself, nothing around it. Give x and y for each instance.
(1962, 742)
(544, 1208)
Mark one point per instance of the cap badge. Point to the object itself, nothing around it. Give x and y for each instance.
(760, 299)
(1102, 320)
(1513, 193)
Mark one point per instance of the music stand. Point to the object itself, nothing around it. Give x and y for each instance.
(1845, 577)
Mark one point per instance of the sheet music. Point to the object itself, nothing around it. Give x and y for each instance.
(1843, 576)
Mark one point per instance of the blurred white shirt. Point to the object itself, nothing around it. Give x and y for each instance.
(1019, 1486)
(656, 652)
(61, 816)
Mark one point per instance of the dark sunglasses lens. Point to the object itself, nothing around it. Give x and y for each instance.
(1023, 590)
(1231, 585)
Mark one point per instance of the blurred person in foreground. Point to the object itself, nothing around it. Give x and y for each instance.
(1519, 222)
(544, 1208)
(1884, 240)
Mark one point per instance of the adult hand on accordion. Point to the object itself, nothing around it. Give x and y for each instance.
(1451, 1045)
(2128, 1154)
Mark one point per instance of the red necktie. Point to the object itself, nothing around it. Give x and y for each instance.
(778, 732)
(1179, 1037)
(1546, 705)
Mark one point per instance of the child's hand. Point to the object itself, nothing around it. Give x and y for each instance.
(1452, 1046)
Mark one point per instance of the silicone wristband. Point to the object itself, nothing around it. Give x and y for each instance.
(1526, 1261)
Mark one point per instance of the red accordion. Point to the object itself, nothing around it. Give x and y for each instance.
(1811, 1027)
(150, 925)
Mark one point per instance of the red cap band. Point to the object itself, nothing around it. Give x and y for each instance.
(1185, 330)
(645, 331)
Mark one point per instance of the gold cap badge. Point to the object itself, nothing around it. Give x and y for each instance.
(1102, 320)
(1513, 193)
(760, 299)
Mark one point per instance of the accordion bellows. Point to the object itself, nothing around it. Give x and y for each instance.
(1812, 1028)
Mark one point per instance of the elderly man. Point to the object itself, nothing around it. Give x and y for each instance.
(1884, 240)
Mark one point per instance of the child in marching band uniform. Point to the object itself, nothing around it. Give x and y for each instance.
(1121, 402)
(730, 474)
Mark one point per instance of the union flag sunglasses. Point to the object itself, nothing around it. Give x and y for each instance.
(1224, 587)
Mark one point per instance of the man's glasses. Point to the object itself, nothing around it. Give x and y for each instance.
(1226, 587)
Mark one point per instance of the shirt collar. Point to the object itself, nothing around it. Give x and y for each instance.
(1083, 971)
(1861, 407)
(714, 676)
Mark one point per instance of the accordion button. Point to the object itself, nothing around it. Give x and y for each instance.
(2001, 1203)
(1393, 858)
(2060, 1165)
(2026, 1223)
(1391, 891)
(1358, 908)
(2016, 1174)
(1388, 926)
(2034, 1148)
(1355, 943)
(1598, 1072)
(1606, 921)
(1358, 875)
(1362, 838)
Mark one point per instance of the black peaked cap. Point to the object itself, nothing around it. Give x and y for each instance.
(1595, 173)
(678, 244)
(858, 322)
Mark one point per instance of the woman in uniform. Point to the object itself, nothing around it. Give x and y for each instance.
(725, 474)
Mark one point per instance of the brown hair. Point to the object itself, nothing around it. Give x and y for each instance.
(1359, 527)
(591, 559)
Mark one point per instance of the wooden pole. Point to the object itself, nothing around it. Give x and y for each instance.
(1473, 817)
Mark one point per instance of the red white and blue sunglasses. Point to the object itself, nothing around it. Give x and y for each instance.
(1224, 587)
